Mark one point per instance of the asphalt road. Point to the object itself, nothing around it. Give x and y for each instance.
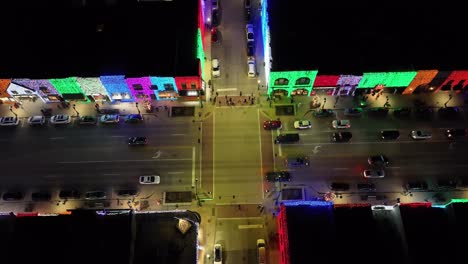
(98, 157)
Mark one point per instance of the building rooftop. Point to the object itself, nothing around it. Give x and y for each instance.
(355, 37)
(53, 39)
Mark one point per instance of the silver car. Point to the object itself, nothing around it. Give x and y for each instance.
(374, 173)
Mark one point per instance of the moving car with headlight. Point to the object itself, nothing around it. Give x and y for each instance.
(341, 124)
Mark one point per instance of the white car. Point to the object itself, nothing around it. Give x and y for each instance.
(302, 124)
(420, 134)
(218, 254)
(252, 68)
(36, 120)
(249, 32)
(150, 179)
(60, 119)
(341, 124)
(110, 119)
(373, 173)
(215, 68)
(9, 121)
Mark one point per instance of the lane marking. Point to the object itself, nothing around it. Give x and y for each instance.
(111, 174)
(177, 134)
(175, 172)
(193, 166)
(372, 142)
(156, 155)
(393, 167)
(200, 154)
(214, 154)
(111, 161)
(261, 158)
(118, 136)
(54, 138)
(340, 168)
(226, 89)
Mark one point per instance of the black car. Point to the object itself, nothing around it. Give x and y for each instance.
(95, 195)
(378, 159)
(341, 136)
(127, 192)
(446, 184)
(368, 187)
(324, 113)
(137, 141)
(69, 194)
(424, 112)
(13, 196)
(339, 186)
(41, 196)
(402, 112)
(416, 186)
(390, 134)
(87, 120)
(449, 112)
(456, 133)
(281, 176)
(378, 111)
(250, 49)
(215, 18)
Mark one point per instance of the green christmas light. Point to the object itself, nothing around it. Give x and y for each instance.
(292, 77)
(200, 52)
(388, 79)
(67, 86)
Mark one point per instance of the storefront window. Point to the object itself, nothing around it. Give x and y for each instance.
(154, 87)
(281, 81)
(303, 81)
(169, 87)
(137, 87)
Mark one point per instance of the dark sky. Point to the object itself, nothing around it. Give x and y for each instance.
(337, 38)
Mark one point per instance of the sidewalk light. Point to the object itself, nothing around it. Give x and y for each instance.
(74, 108)
(11, 110)
(136, 104)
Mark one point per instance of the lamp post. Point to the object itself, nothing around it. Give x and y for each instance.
(200, 98)
(136, 104)
(11, 110)
(74, 108)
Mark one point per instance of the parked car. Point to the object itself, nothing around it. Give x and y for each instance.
(214, 35)
(378, 159)
(150, 179)
(218, 254)
(424, 112)
(287, 138)
(368, 187)
(341, 136)
(249, 32)
(36, 120)
(449, 112)
(446, 184)
(297, 161)
(95, 195)
(214, 17)
(41, 196)
(341, 124)
(272, 124)
(215, 68)
(373, 173)
(378, 111)
(456, 133)
(87, 120)
(250, 49)
(390, 134)
(247, 4)
(251, 68)
(324, 113)
(215, 4)
(69, 194)
(357, 111)
(9, 121)
(127, 192)
(278, 176)
(110, 119)
(416, 186)
(402, 112)
(302, 124)
(420, 134)
(133, 118)
(13, 196)
(60, 119)
(339, 186)
(136, 141)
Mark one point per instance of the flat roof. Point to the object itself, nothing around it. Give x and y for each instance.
(53, 39)
(355, 37)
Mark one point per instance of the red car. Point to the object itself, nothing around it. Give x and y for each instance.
(214, 35)
(272, 124)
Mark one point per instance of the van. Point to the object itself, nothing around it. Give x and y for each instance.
(252, 69)
(287, 138)
(261, 251)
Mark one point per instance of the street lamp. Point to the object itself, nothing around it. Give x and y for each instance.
(74, 108)
(200, 98)
(136, 104)
(11, 110)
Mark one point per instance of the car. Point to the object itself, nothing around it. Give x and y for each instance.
(456, 133)
(378, 160)
(449, 112)
(60, 119)
(339, 186)
(373, 173)
(252, 68)
(95, 195)
(420, 134)
(133, 118)
(416, 186)
(110, 119)
(9, 121)
(13, 196)
(446, 184)
(214, 35)
(250, 49)
(297, 161)
(324, 113)
(341, 136)
(357, 111)
(69, 194)
(247, 15)
(278, 176)
(368, 187)
(150, 179)
(218, 254)
(402, 112)
(261, 251)
(424, 112)
(215, 67)
(390, 134)
(247, 4)
(215, 4)
(214, 17)
(136, 141)
(127, 192)
(341, 124)
(249, 32)
(87, 120)
(272, 124)
(41, 196)
(302, 124)
(378, 111)
(36, 120)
